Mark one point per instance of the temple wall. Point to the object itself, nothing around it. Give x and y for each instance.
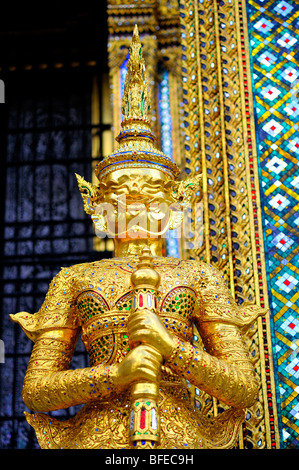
(226, 99)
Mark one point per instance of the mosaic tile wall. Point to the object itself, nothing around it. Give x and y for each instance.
(274, 41)
(172, 240)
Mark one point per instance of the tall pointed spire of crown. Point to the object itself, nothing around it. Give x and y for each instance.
(136, 141)
(136, 100)
(136, 96)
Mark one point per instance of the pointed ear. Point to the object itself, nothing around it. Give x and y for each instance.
(184, 191)
(91, 194)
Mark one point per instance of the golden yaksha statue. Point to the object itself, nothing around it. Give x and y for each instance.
(135, 313)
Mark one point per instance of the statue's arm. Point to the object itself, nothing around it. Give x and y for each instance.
(223, 370)
(49, 384)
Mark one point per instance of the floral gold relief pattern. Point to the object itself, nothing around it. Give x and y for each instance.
(104, 420)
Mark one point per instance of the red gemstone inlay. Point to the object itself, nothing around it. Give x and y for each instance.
(142, 418)
(140, 300)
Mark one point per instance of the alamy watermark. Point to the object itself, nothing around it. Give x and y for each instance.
(155, 219)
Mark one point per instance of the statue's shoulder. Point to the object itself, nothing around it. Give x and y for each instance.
(204, 271)
(196, 264)
(83, 269)
(57, 310)
(215, 301)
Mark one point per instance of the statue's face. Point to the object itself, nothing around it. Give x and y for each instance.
(137, 202)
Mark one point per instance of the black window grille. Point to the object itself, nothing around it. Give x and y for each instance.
(47, 130)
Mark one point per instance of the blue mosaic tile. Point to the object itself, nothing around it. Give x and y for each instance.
(274, 41)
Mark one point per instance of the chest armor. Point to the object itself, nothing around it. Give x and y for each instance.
(104, 306)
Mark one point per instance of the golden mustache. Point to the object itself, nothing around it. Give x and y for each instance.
(149, 232)
(138, 228)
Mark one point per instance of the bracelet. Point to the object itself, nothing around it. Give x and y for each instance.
(181, 357)
(174, 351)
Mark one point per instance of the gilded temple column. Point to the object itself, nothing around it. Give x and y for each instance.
(219, 142)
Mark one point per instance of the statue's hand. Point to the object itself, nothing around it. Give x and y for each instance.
(146, 327)
(141, 364)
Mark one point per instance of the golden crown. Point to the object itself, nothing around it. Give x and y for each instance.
(136, 141)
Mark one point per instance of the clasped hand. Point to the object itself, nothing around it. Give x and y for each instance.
(151, 343)
(146, 328)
